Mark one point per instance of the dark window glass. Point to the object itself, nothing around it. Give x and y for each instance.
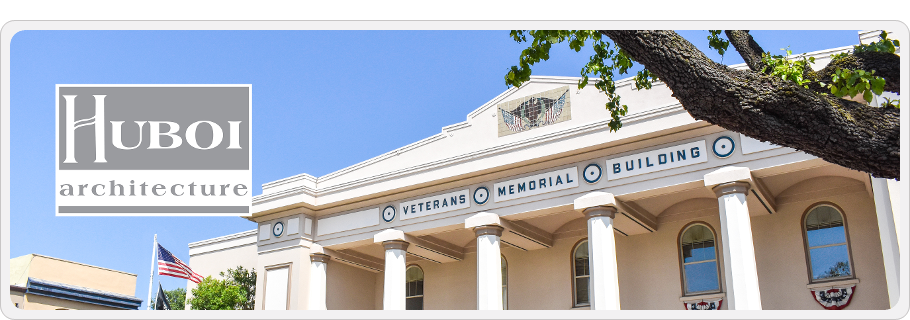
(414, 288)
(581, 273)
(505, 283)
(581, 291)
(414, 303)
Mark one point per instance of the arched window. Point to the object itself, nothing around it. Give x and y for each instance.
(505, 283)
(414, 288)
(826, 244)
(580, 274)
(698, 253)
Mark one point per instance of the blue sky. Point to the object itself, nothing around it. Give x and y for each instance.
(322, 101)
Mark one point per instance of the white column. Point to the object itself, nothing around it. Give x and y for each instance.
(317, 292)
(888, 234)
(396, 248)
(393, 297)
(600, 210)
(489, 267)
(487, 228)
(602, 258)
(731, 185)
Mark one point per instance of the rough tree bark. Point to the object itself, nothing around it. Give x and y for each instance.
(767, 108)
(747, 48)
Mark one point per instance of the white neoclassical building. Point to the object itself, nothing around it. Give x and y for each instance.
(531, 203)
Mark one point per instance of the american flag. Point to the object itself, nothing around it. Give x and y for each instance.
(169, 265)
(554, 110)
(514, 123)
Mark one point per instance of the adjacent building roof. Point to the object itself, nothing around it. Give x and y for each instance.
(81, 294)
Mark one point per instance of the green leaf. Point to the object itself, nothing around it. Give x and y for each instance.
(867, 95)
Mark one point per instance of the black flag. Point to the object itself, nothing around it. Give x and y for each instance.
(161, 300)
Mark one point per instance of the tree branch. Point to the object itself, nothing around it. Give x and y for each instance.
(748, 49)
(767, 108)
(886, 65)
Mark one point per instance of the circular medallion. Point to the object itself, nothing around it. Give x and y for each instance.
(592, 173)
(388, 214)
(278, 229)
(481, 195)
(723, 147)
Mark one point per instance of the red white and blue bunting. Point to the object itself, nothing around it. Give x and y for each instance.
(704, 304)
(834, 298)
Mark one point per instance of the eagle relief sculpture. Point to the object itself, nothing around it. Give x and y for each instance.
(535, 111)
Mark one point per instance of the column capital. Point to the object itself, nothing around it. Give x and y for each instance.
(595, 199)
(316, 248)
(728, 174)
(731, 187)
(488, 230)
(395, 244)
(600, 211)
(389, 234)
(320, 257)
(483, 219)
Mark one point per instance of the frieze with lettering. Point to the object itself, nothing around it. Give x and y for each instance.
(657, 160)
(536, 184)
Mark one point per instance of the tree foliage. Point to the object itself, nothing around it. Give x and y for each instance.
(176, 298)
(839, 269)
(237, 291)
(246, 280)
(780, 99)
(214, 294)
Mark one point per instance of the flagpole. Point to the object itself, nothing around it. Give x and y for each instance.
(152, 273)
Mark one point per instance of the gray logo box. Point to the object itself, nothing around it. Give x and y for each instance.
(183, 105)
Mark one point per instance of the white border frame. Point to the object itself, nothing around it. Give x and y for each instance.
(367, 10)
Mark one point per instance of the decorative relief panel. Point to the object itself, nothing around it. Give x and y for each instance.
(530, 112)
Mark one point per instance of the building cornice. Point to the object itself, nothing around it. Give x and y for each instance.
(201, 243)
(311, 194)
(488, 152)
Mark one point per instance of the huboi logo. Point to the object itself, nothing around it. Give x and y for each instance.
(153, 149)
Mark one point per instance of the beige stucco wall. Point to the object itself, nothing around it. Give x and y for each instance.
(34, 302)
(538, 280)
(299, 259)
(780, 253)
(350, 288)
(450, 286)
(649, 269)
(17, 298)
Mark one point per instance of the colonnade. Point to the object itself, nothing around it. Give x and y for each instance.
(730, 185)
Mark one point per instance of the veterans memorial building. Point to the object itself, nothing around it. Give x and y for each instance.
(532, 203)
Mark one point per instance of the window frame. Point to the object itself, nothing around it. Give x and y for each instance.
(575, 303)
(682, 264)
(422, 280)
(265, 283)
(806, 248)
(505, 282)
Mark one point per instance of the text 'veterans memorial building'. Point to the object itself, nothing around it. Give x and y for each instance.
(532, 203)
